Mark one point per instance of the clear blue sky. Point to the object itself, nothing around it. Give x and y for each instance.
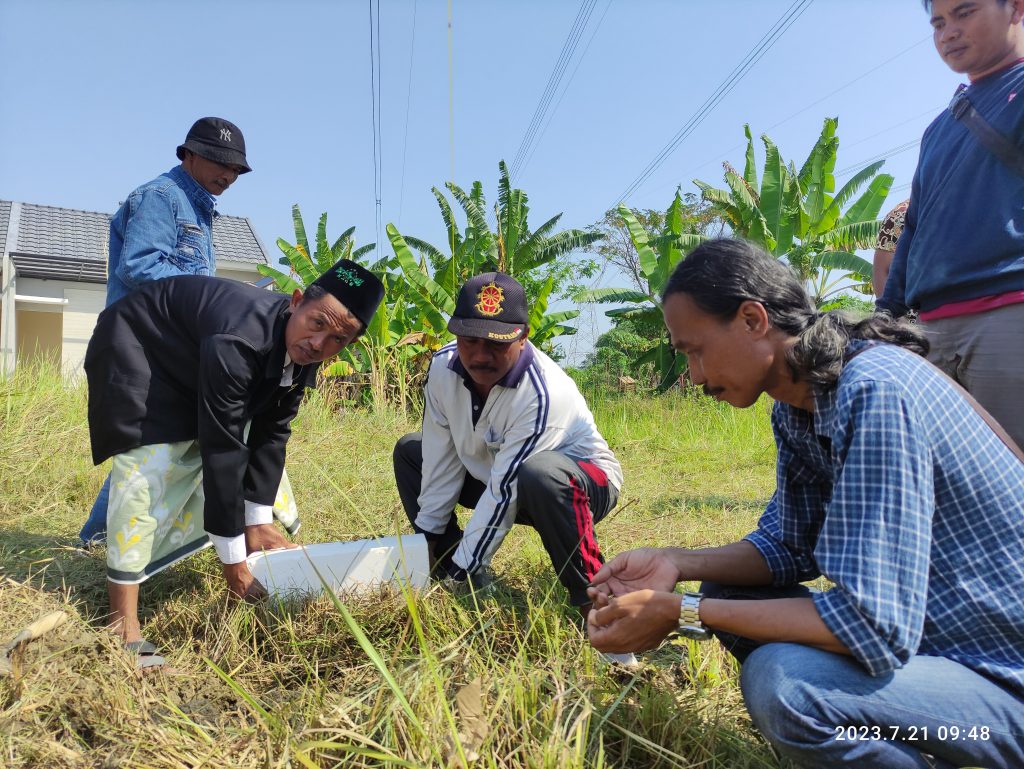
(96, 94)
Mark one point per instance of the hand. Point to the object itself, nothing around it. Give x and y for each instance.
(648, 568)
(241, 583)
(264, 536)
(635, 622)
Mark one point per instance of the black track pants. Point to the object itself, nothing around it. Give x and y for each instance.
(562, 498)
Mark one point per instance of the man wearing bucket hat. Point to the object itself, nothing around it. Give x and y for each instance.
(165, 228)
(193, 384)
(507, 433)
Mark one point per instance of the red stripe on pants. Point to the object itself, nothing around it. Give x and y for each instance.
(589, 551)
(597, 475)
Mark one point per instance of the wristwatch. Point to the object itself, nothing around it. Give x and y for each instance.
(690, 625)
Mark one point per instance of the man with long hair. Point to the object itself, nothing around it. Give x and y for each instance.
(891, 485)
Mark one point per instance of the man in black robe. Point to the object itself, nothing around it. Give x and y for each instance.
(193, 384)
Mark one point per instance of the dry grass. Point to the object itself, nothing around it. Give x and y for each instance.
(371, 682)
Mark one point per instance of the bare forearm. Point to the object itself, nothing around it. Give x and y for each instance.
(792, 620)
(738, 563)
(880, 271)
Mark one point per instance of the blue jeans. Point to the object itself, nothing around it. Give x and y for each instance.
(820, 709)
(95, 529)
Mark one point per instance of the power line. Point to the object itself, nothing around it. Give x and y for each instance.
(572, 77)
(823, 98)
(568, 50)
(918, 116)
(408, 101)
(897, 150)
(378, 150)
(451, 112)
(742, 69)
(857, 79)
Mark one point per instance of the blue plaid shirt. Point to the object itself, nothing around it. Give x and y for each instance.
(900, 494)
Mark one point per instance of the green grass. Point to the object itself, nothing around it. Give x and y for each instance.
(372, 682)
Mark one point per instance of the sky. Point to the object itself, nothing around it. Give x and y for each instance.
(96, 94)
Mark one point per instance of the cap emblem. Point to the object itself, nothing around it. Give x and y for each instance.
(490, 298)
(348, 276)
(225, 135)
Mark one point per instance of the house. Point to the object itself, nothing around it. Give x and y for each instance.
(54, 277)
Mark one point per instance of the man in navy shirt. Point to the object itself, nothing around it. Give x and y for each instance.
(892, 486)
(960, 259)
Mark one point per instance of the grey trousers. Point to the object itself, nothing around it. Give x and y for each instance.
(984, 352)
(561, 497)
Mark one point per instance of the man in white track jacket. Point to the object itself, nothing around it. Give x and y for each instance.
(506, 433)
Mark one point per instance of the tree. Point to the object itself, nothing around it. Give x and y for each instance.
(616, 349)
(795, 216)
(617, 247)
(304, 268)
(533, 257)
(657, 256)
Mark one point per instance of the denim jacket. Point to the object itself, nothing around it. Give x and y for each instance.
(165, 228)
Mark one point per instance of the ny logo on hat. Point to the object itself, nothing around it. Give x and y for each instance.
(225, 135)
(490, 298)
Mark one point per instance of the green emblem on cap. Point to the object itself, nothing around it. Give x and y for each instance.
(348, 276)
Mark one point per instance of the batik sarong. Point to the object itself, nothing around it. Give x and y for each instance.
(155, 515)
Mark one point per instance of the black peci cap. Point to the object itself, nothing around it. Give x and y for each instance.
(355, 287)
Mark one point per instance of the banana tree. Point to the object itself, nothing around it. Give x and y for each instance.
(658, 256)
(389, 355)
(795, 215)
(303, 266)
(530, 256)
(435, 297)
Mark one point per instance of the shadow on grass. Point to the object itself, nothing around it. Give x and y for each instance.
(57, 564)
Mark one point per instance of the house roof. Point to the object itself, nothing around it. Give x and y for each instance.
(65, 243)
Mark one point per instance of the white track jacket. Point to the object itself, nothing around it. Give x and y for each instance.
(535, 407)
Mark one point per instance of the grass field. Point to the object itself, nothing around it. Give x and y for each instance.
(387, 680)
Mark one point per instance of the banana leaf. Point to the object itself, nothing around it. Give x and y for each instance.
(300, 229)
(773, 184)
(431, 299)
(606, 295)
(282, 281)
(750, 166)
(540, 304)
(870, 203)
(844, 260)
(299, 261)
(647, 255)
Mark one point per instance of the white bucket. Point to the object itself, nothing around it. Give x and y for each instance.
(347, 567)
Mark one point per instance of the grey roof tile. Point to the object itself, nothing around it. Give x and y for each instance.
(5, 218)
(234, 238)
(48, 231)
(63, 232)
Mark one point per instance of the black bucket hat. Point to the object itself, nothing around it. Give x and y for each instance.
(491, 306)
(218, 140)
(355, 287)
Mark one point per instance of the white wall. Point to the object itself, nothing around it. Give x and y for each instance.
(244, 272)
(85, 302)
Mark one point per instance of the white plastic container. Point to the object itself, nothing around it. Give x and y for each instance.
(347, 567)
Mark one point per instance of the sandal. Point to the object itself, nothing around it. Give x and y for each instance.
(146, 655)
